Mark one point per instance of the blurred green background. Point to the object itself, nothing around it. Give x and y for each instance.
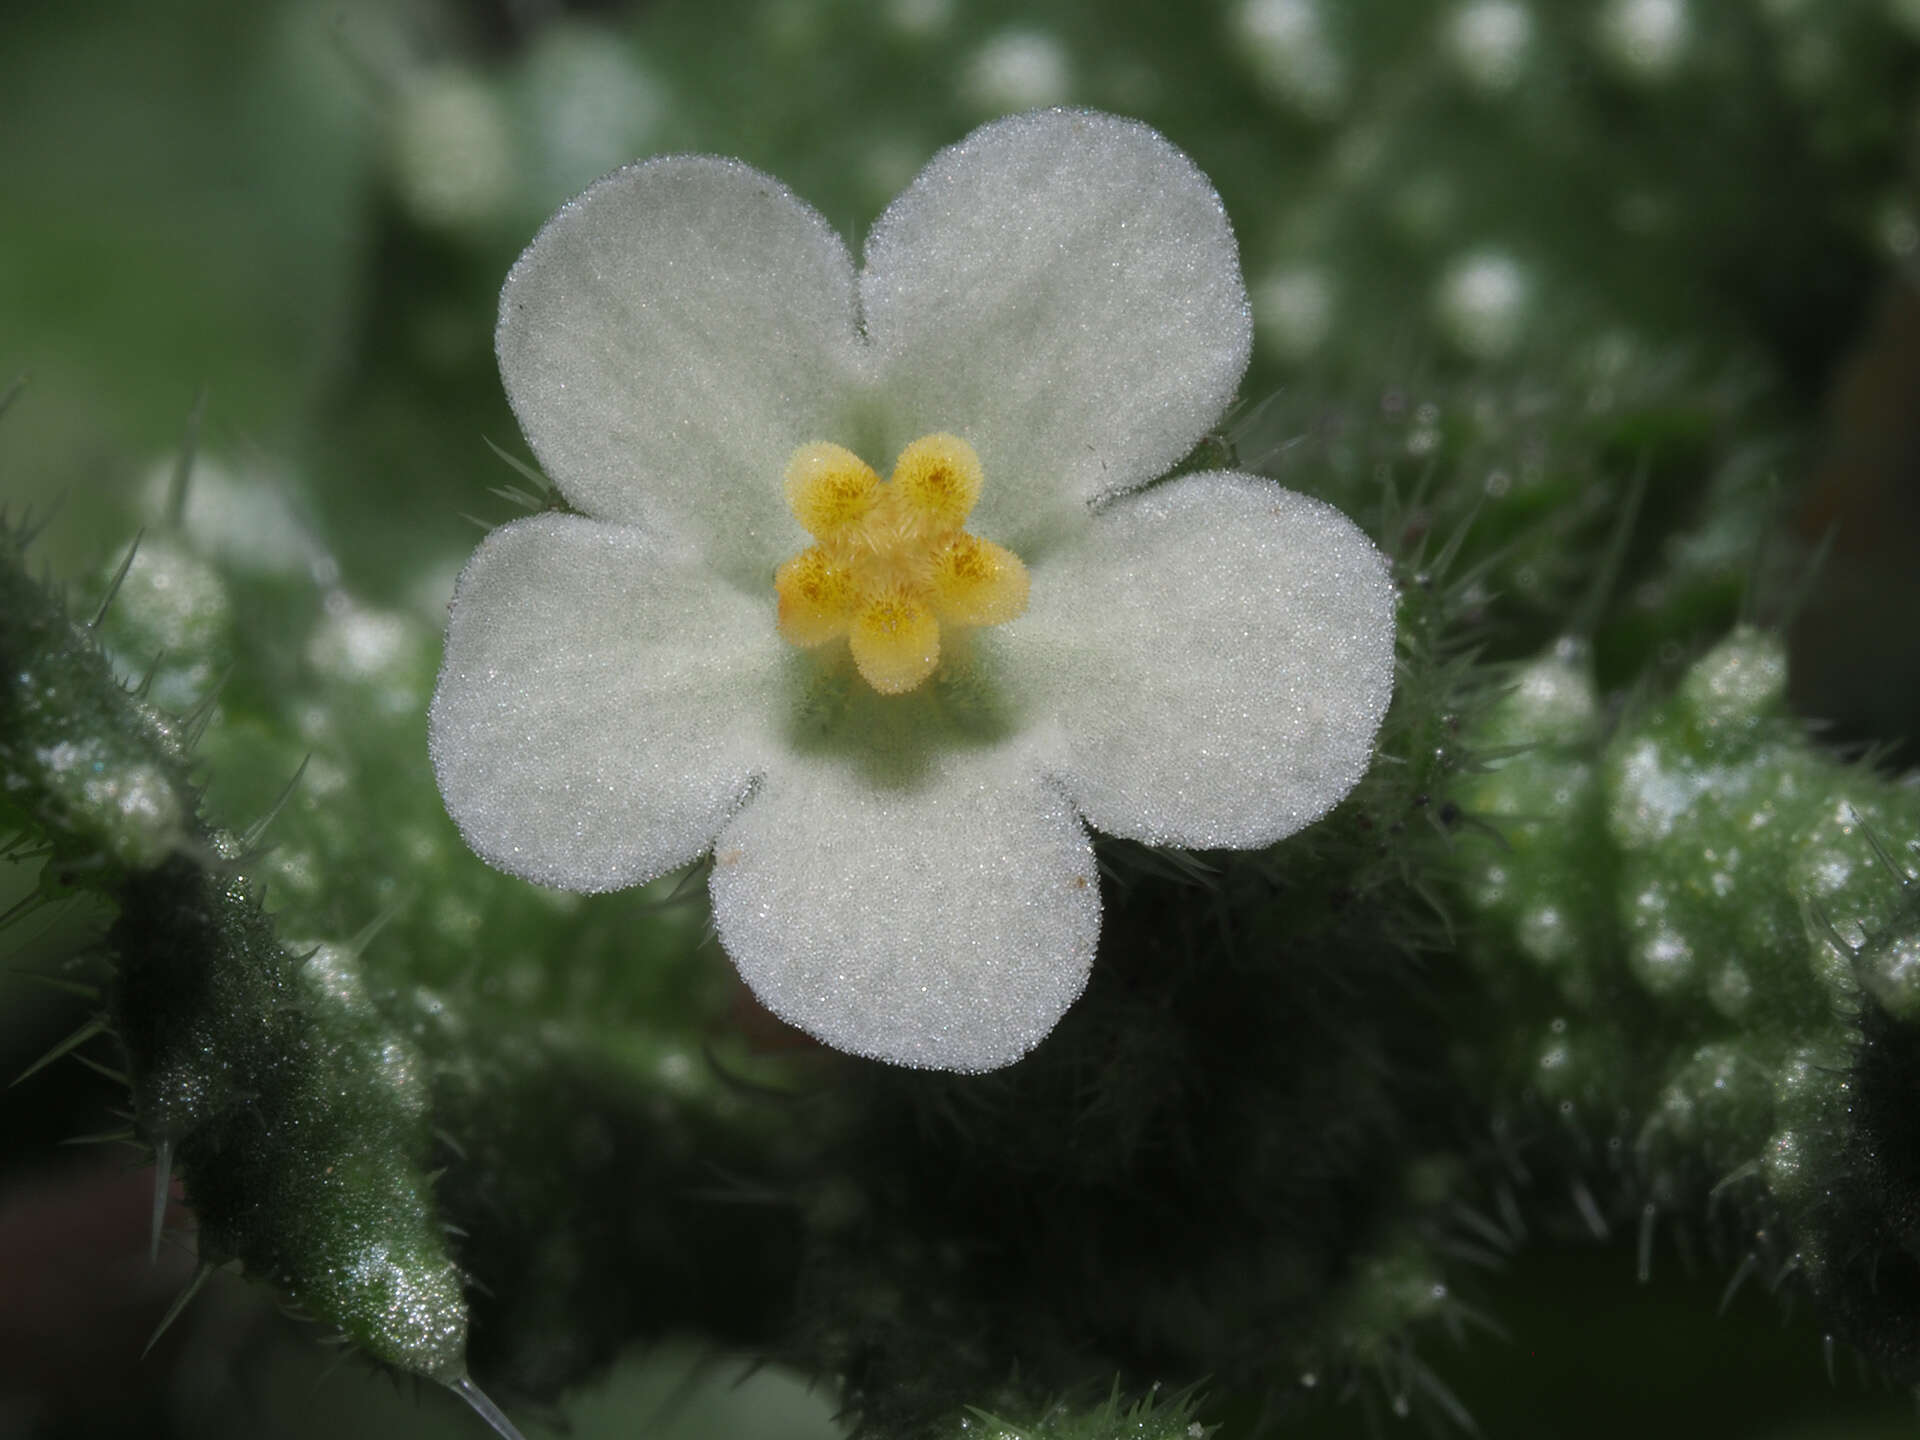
(303, 210)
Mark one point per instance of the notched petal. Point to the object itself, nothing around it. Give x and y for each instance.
(1217, 655)
(945, 923)
(668, 341)
(602, 705)
(1063, 290)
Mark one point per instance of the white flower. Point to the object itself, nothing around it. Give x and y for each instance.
(905, 875)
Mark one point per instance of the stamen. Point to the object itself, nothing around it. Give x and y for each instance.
(830, 489)
(896, 642)
(893, 562)
(938, 480)
(817, 598)
(976, 582)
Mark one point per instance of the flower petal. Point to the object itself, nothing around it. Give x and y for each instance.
(599, 705)
(668, 341)
(1217, 654)
(945, 921)
(1062, 291)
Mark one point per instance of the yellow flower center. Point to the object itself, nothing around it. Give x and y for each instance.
(893, 562)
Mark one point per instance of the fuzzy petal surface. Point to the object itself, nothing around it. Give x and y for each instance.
(1062, 290)
(669, 339)
(1214, 656)
(601, 705)
(943, 921)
